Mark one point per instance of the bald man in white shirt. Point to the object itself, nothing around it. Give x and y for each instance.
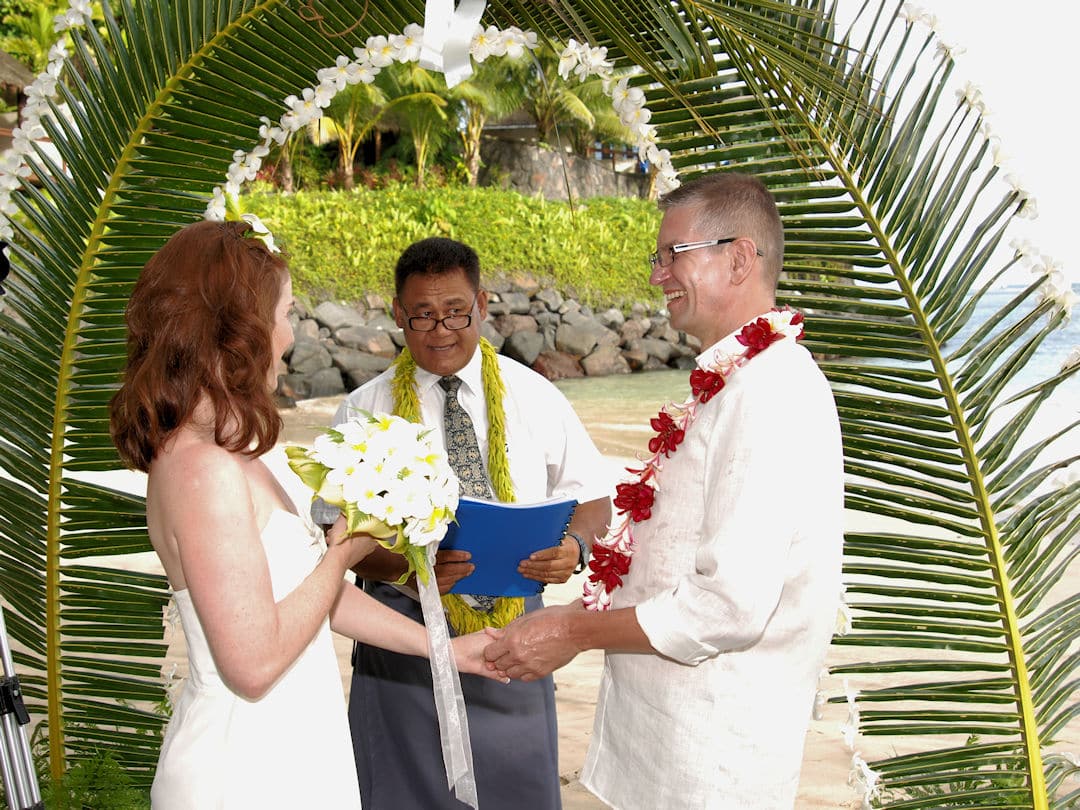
(716, 638)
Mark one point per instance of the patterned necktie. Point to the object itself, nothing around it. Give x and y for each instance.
(463, 453)
(462, 450)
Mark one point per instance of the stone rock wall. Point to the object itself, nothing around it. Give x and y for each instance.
(528, 169)
(340, 346)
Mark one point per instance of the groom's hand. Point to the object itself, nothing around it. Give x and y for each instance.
(536, 644)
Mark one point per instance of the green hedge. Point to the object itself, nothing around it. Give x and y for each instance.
(343, 244)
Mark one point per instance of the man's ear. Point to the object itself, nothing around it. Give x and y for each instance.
(399, 314)
(481, 304)
(743, 260)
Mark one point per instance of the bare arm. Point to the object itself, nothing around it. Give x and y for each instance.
(212, 522)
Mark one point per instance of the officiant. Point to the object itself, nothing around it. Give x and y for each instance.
(510, 435)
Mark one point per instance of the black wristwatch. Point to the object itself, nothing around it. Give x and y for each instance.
(583, 552)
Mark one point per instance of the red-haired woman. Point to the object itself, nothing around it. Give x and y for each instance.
(261, 720)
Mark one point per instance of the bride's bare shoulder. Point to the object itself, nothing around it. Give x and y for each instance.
(192, 466)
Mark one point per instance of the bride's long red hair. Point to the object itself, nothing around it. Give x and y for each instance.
(199, 323)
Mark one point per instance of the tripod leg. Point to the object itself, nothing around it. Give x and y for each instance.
(20, 779)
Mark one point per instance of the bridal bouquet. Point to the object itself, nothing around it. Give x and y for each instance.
(389, 480)
(383, 472)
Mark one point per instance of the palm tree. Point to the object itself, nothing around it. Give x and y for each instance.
(563, 109)
(495, 90)
(889, 195)
(418, 98)
(349, 119)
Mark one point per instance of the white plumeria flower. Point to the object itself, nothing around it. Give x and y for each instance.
(338, 75)
(635, 117)
(1072, 359)
(569, 59)
(1000, 157)
(58, 53)
(484, 43)
(325, 92)
(850, 728)
(864, 780)
(910, 12)
(304, 107)
(1023, 250)
(667, 180)
(407, 45)
(378, 51)
(1028, 207)
(516, 42)
(215, 211)
(625, 97)
(946, 50)
(972, 96)
(365, 73)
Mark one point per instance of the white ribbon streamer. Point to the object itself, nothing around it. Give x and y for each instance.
(448, 35)
(446, 683)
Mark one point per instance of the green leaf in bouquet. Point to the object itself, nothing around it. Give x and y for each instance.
(357, 521)
(311, 472)
(416, 557)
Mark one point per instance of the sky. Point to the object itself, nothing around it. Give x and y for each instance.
(1025, 58)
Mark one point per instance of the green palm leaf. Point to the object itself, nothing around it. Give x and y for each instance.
(893, 215)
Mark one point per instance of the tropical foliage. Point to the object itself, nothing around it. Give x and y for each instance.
(893, 210)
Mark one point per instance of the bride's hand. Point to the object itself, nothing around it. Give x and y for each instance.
(354, 547)
(469, 655)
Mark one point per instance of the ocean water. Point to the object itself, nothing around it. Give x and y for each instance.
(617, 409)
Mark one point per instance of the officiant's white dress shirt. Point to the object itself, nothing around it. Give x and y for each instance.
(548, 449)
(736, 579)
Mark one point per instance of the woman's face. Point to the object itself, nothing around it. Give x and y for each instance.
(281, 337)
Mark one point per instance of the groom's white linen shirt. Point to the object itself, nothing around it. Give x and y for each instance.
(549, 451)
(736, 581)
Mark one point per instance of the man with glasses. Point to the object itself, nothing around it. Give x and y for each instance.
(716, 633)
(516, 437)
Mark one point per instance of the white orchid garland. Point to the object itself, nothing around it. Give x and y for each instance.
(380, 51)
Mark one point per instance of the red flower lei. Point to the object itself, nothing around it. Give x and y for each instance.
(634, 500)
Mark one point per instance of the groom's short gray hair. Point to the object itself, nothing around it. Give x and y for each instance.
(734, 204)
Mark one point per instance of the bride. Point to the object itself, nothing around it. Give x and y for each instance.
(261, 720)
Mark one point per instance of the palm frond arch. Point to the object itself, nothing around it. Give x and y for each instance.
(893, 224)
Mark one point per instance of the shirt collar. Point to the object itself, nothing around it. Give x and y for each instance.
(470, 378)
(727, 346)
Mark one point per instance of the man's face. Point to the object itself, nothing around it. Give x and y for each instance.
(441, 351)
(696, 284)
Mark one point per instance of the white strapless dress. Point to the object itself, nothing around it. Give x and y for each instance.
(289, 749)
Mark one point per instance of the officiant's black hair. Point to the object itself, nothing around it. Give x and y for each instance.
(433, 257)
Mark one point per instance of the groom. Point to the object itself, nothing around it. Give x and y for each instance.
(715, 639)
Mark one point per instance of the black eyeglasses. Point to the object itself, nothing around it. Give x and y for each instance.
(665, 259)
(422, 323)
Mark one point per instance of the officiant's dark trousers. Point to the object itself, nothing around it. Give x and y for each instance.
(395, 731)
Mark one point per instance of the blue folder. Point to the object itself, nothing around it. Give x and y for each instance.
(501, 535)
